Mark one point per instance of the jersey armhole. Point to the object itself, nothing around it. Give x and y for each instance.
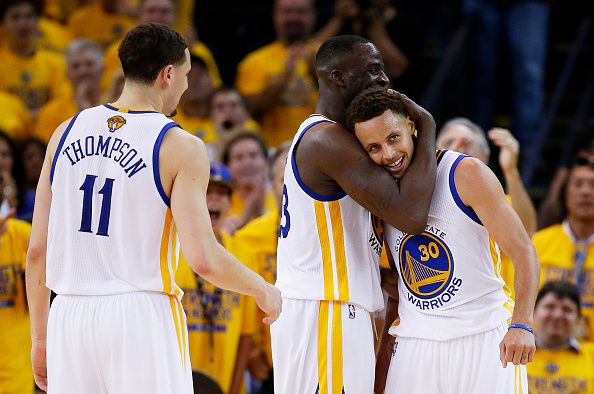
(302, 185)
(463, 207)
(156, 171)
(60, 146)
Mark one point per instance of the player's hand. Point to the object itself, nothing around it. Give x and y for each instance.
(509, 148)
(518, 347)
(39, 364)
(423, 120)
(271, 303)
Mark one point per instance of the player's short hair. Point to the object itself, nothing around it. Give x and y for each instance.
(561, 289)
(473, 127)
(5, 5)
(239, 136)
(82, 44)
(333, 50)
(373, 102)
(147, 48)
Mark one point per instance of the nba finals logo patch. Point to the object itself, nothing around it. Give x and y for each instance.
(115, 122)
(427, 269)
(376, 241)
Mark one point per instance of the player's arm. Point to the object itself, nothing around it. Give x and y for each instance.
(201, 249)
(403, 204)
(480, 189)
(385, 348)
(38, 295)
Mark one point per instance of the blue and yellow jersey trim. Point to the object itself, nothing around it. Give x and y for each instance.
(128, 110)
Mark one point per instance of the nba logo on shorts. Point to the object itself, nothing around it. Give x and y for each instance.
(351, 311)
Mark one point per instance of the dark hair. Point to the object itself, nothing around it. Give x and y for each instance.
(334, 49)
(239, 136)
(373, 102)
(5, 5)
(561, 289)
(148, 48)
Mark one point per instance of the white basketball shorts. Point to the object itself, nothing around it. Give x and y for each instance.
(118, 344)
(322, 347)
(466, 365)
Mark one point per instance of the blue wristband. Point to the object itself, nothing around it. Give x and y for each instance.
(522, 326)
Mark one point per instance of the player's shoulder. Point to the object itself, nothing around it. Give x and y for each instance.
(179, 145)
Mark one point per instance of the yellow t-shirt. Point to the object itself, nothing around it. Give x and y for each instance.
(60, 10)
(112, 64)
(52, 114)
(238, 205)
(556, 251)
(16, 375)
(216, 320)
(53, 36)
(15, 119)
(36, 79)
(562, 371)
(93, 23)
(298, 100)
(255, 244)
(200, 127)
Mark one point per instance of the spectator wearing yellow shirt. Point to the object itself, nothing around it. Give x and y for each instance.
(15, 120)
(561, 364)
(276, 79)
(256, 244)
(158, 11)
(16, 375)
(100, 22)
(84, 64)
(33, 74)
(566, 251)
(246, 155)
(220, 322)
(465, 136)
(193, 112)
(53, 36)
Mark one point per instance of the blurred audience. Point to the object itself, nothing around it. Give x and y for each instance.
(84, 62)
(32, 154)
(561, 364)
(566, 250)
(277, 79)
(523, 25)
(100, 21)
(245, 154)
(220, 323)
(11, 176)
(256, 244)
(34, 74)
(15, 118)
(16, 374)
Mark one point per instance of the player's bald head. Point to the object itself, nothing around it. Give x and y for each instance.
(335, 50)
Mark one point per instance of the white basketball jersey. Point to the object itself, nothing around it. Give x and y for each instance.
(449, 282)
(328, 246)
(110, 227)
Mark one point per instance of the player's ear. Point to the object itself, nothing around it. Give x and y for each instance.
(166, 74)
(337, 76)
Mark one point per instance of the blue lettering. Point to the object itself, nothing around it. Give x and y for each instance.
(102, 147)
(77, 149)
(90, 145)
(134, 168)
(116, 145)
(68, 155)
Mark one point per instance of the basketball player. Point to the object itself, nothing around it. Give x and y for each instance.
(453, 335)
(116, 188)
(329, 246)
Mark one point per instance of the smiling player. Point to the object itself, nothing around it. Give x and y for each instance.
(453, 309)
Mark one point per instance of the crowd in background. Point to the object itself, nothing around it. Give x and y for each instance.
(59, 57)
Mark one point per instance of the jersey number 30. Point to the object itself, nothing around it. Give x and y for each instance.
(88, 187)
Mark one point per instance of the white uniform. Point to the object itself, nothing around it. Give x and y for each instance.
(117, 324)
(453, 307)
(328, 273)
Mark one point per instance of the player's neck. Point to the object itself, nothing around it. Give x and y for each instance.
(140, 98)
(331, 112)
(581, 229)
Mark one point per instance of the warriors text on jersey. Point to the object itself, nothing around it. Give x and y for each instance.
(449, 276)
